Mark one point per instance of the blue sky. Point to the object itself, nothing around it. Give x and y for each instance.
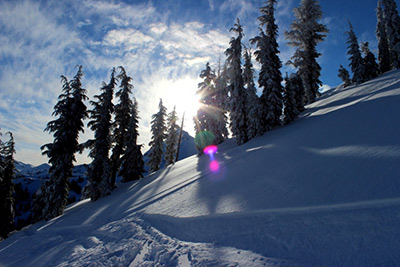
(162, 44)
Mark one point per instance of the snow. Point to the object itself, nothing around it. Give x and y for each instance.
(322, 191)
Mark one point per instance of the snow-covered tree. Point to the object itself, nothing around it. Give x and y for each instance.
(289, 100)
(158, 131)
(356, 60)
(121, 122)
(305, 34)
(132, 167)
(293, 97)
(205, 92)
(7, 174)
(254, 116)
(371, 68)
(383, 45)
(172, 138)
(392, 27)
(237, 92)
(344, 75)
(99, 172)
(71, 111)
(270, 77)
(220, 103)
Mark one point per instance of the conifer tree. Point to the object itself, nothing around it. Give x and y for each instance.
(255, 126)
(205, 116)
(99, 173)
(270, 77)
(7, 174)
(122, 118)
(158, 130)
(172, 138)
(298, 88)
(356, 60)
(392, 27)
(289, 99)
(238, 94)
(305, 34)
(221, 106)
(71, 111)
(132, 167)
(370, 66)
(345, 76)
(383, 45)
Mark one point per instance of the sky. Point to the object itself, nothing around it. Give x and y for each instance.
(163, 45)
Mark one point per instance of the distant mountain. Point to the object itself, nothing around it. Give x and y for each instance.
(28, 180)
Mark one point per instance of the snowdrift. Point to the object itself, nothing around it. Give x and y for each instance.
(322, 191)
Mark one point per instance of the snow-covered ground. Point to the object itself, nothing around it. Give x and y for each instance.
(323, 191)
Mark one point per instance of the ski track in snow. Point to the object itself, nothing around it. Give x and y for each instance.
(323, 191)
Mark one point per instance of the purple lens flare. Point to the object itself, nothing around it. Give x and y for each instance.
(211, 150)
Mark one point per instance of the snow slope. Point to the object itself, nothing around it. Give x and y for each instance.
(323, 191)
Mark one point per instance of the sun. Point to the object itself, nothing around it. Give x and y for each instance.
(182, 94)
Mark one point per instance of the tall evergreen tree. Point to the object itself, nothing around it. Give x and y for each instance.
(132, 167)
(221, 106)
(71, 111)
(370, 66)
(270, 77)
(99, 173)
(158, 131)
(345, 76)
(254, 115)
(392, 27)
(122, 118)
(356, 60)
(383, 45)
(7, 174)
(305, 34)
(238, 94)
(205, 91)
(172, 138)
(289, 99)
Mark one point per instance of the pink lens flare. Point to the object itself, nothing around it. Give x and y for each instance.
(210, 150)
(214, 166)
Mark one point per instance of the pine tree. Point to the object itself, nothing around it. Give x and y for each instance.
(172, 138)
(205, 114)
(356, 60)
(270, 77)
(344, 75)
(298, 88)
(383, 45)
(71, 111)
(371, 68)
(392, 27)
(122, 118)
(254, 116)
(158, 130)
(99, 173)
(221, 106)
(289, 99)
(7, 212)
(132, 167)
(305, 34)
(238, 94)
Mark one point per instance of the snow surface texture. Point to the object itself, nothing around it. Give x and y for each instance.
(323, 191)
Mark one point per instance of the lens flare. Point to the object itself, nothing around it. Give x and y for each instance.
(214, 166)
(210, 150)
